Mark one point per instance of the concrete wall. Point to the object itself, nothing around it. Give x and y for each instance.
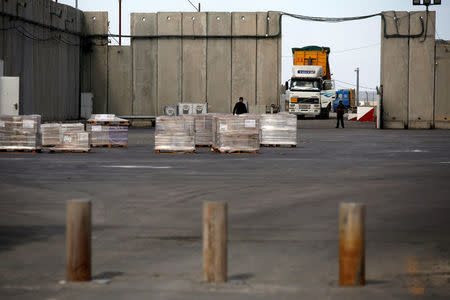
(120, 80)
(167, 69)
(414, 76)
(95, 60)
(421, 72)
(47, 62)
(442, 85)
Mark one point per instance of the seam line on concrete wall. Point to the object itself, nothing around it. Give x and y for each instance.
(406, 121)
(180, 85)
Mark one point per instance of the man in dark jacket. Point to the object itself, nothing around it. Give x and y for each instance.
(240, 107)
(340, 110)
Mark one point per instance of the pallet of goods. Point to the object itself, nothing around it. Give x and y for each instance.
(236, 134)
(107, 130)
(278, 130)
(175, 134)
(203, 130)
(20, 133)
(69, 137)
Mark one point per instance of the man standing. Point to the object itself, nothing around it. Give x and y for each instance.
(340, 110)
(240, 107)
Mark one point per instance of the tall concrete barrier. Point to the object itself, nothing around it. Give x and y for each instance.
(212, 56)
(119, 80)
(95, 60)
(145, 64)
(169, 60)
(46, 59)
(395, 69)
(414, 72)
(442, 86)
(218, 62)
(243, 68)
(421, 71)
(193, 74)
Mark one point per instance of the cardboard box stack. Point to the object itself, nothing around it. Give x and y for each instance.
(108, 130)
(279, 129)
(236, 133)
(175, 134)
(20, 132)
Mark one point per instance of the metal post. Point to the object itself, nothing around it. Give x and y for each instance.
(120, 22)
(351, 244)
(357, 87)
(214, 242)
(78, 240)
(76, 4)
(199, 7)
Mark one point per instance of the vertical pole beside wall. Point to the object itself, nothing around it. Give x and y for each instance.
(357, 87)
(78, 240)
(215, 242)
(120, 22)
(351, 244)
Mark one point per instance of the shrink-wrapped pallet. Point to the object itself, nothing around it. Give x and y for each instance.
(108, 130)
(203, 129)
(51, 134)
(99, 134)
(236, 133)
(78, 141)
(175, 134)
(279, 129)
(20, 132)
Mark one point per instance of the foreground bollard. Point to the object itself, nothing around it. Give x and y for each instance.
(214, 242)
(351, 244)
(78, 240)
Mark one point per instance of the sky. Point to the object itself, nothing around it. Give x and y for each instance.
(353, 44)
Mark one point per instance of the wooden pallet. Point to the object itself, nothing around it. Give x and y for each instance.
(278, 146)
(173, 152)
(64, 150)
(238, 152)
(109, 146)
(110, 123)
(21, 150)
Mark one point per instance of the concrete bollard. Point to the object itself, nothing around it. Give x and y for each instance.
(215, 242)
(351, 244)
(78, 240)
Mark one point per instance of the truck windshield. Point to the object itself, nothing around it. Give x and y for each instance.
(305, 85)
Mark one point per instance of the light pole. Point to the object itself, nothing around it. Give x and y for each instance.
(357, 87)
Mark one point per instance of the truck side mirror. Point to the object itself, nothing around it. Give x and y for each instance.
(286, 86)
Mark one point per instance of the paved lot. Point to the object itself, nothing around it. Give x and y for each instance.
(283, 224)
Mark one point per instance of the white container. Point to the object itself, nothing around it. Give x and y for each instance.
(184, 109)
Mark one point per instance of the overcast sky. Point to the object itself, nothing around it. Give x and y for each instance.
(353, 44)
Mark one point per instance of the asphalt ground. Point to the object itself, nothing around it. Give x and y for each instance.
(282, 217)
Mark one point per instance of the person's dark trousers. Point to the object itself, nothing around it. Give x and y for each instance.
(340, 118)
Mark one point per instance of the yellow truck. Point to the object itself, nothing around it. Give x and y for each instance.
(311, 94)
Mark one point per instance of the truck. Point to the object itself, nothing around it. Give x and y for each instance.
(311, 91)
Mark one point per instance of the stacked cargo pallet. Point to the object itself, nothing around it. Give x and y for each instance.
(278, 130)
(20, 133)
(236, 134)
(108, 131)
(203, 130)
(175, 134)
(69, 137)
